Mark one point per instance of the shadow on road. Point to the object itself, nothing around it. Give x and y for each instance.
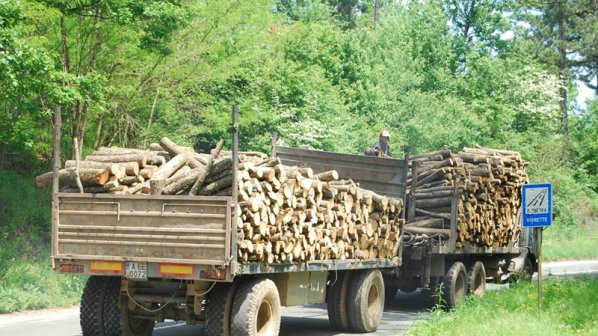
(398, 316)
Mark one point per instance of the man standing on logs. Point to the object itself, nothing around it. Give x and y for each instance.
(382, 147)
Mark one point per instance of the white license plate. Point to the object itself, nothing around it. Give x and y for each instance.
(136, 270)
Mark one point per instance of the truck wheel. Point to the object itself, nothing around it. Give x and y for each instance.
(132, 326)
(526, 273)
(99, 312)
(366, 301)
(454, 285)
(218, 309)
(528, 269)
(476, 279)
(337, 301)
(256, 309)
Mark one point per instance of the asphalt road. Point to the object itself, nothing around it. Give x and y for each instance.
(296, 321)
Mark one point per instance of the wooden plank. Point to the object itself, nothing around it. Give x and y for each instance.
(339, 157)
(345, 170)
(383, 176)
(164, 227)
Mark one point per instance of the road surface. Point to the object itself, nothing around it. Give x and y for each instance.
(296, 321)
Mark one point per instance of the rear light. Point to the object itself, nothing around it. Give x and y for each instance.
(69, 268)
(179, 270)
(112, 267)
(213, 274)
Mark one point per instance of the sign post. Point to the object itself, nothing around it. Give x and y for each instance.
(537, 212)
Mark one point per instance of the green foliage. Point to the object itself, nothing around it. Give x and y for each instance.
(26, 284)
(568, 309)
(581, 241)
(585, 146)
(25, 229)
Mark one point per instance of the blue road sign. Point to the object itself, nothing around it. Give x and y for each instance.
(537, 205)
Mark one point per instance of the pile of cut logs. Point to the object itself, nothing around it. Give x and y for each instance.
(486, 184)
(285, 213)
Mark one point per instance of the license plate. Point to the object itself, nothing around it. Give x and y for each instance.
(136, 270)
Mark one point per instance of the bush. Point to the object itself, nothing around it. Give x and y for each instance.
(25, 214)
(33, 285)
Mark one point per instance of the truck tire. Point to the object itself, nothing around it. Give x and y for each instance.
(256, 309)
(218, 309)
(366, 301)
(525, 274)
(99, 312)
(336, 299)
(528, 269)
(454, 285)
(476, 279)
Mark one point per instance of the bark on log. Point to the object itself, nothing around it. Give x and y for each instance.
(89, 177)
(175, 150)
(216, 186)
(115, 169)
(141, 159)
(427, 231)
(436, 223)
(168, 169)
(444, 215)
(331, 175)
(109, 151)
(206, 170)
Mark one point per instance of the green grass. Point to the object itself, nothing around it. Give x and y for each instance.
(570, 243)
(28, 284)
(570, 307)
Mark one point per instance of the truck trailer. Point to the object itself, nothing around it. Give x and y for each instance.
(150, 258)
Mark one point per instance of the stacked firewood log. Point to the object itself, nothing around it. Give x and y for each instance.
(486, 184)
(285, 213)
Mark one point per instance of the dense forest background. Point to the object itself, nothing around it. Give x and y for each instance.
(324, 74)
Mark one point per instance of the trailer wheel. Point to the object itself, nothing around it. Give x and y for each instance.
(366, 301)
(476, 279)
(337, 301)
(99, 312)
(454, 285)
(218, 309)
(256, 309)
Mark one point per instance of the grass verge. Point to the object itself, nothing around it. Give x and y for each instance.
(570, 243)
(570, 307)
(28, 284)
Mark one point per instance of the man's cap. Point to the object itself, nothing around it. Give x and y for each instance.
(385, 134)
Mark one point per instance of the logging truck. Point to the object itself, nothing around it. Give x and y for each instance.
(192, 258)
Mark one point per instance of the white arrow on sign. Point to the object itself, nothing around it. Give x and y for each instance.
(537, 200)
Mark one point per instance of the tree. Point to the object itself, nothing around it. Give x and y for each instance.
(564, 32)
(27, 86)
(93, 37)
(478, 23)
